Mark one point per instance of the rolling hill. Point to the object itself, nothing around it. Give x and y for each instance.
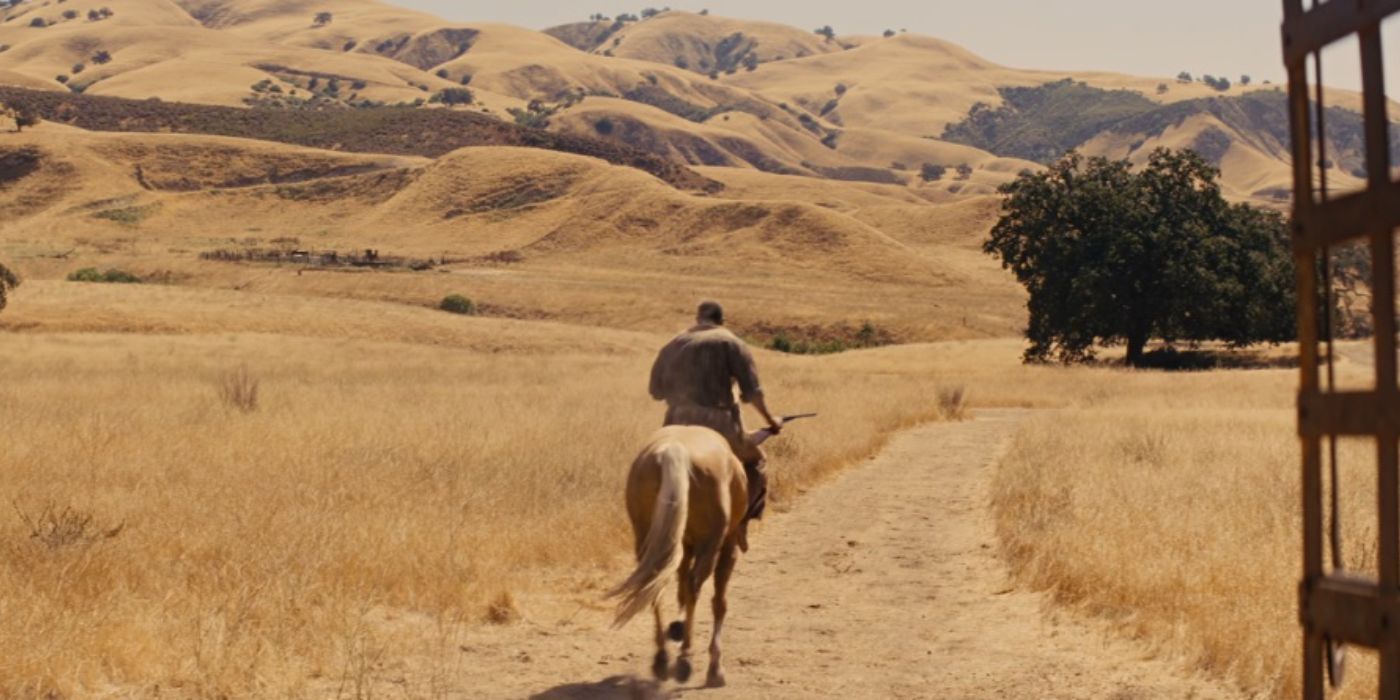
(700, 43)
(533, 232)
(689, 88)
(605, 172)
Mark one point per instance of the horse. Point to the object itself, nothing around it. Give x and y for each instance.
(687, 496)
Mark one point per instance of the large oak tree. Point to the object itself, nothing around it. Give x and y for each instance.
(1111, 255)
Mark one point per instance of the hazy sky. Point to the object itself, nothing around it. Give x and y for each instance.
(1220, 37)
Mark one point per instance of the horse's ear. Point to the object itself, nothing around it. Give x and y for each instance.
(758, 437)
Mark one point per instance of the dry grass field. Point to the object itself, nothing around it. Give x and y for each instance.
(406, 464)
(277, 479)
(161, 538)
(1169, 505)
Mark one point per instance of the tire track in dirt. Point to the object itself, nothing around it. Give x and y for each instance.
(884, 582)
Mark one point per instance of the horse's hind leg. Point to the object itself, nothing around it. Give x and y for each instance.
(661, 665)
(727, 559)
(683, 593)
(705, 560)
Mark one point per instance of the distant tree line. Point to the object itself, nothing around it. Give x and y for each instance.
(624, 17)
(1222, 84)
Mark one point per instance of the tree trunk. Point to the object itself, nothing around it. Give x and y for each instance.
(1137, 340)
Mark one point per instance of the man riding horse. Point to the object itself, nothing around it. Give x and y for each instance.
(695, 375)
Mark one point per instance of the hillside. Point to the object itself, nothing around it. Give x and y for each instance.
(1245, 135)
(857, 173)
(531, 232)
(381, 129)
(158, 48)
(685, 88)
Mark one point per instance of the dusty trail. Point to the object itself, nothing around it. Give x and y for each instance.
(882, 583)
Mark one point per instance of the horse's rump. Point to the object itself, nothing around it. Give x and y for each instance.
(659, 550)
(684, 484)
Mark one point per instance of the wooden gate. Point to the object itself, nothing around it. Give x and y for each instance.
(1334, 607)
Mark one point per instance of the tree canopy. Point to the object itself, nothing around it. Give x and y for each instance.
(1113, 256)
(24, 115)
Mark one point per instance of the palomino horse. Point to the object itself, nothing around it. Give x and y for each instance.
(687, 496)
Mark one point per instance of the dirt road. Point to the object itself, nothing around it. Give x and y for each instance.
(882, 583)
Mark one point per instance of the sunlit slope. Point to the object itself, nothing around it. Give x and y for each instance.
(561, 230)
(915, 85)
(701, 43)
(871, 109)
(732, 138)
(156, 48)
(1246, 138)
(471, 201)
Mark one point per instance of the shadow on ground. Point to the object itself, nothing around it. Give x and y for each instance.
(1200, 359)
(613, 688)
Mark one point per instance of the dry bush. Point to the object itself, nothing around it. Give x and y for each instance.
(55, 528)
(239, 389)
(502, 610)
(952, 403)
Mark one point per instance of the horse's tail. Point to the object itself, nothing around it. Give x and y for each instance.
(660, 553)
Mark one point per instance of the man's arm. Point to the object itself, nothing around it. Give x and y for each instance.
(658, 377)
(774, 424)
(750, 391)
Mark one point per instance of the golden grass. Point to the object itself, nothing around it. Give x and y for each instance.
(251, 552)
(1169, 504)
(406, 463)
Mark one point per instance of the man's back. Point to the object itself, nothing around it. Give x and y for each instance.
(700, 367)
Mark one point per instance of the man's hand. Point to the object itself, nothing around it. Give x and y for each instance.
(775, 425)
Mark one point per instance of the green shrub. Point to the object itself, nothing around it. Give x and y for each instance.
(113, 276)
(127, 216)
(120, 277)
(457, 304)
(87, 274)
(8, 280)
(454, 96)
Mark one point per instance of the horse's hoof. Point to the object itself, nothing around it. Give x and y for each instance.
(683, 670)
(676, 632)
(715, 679)
(661, 666)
